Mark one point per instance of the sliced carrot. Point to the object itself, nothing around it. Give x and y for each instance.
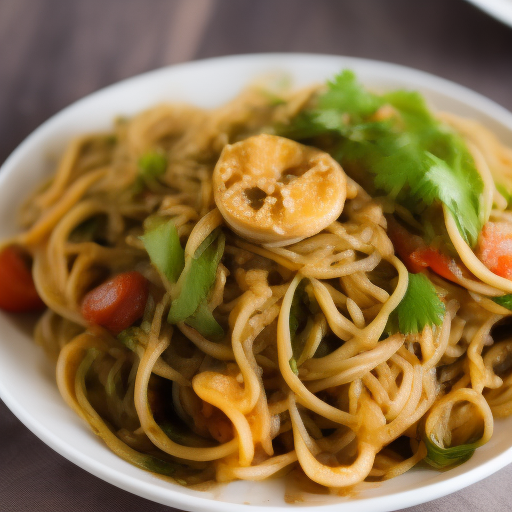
(117, 303)
(18, 293)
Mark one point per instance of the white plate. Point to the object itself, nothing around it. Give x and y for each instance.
(499, 9)
(27, 383)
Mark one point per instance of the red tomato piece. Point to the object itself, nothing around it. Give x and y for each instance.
(18, 293)
(417, 255)
(405, 245)
(117, 303)
(494, 248)
(440, 263)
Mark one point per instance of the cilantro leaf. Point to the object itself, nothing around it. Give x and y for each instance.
(345, 94)
(408, 154)
(504, 300)
(419, 307)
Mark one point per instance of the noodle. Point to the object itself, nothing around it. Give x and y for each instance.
(274, 327)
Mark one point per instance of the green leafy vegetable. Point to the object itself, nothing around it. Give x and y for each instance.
(420, 307)
(203, 321)
(447, 458)
(163, 246)
(504, 300)
(412, 156)
(151, 166)
(195, 282)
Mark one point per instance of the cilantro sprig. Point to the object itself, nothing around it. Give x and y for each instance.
(419, 307)
(408, 154)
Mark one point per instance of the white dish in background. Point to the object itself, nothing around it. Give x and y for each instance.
(27, 383)
(499, 9)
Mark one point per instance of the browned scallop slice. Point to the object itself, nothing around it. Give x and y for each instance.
(275, 191)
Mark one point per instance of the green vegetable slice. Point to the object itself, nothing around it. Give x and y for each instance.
(419, 307)
(151, 166)
(447, 458)
(163, 246)
(504, 300)
(196, 280)
(203, 322)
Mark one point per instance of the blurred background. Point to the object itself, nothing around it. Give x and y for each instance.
(53, 52)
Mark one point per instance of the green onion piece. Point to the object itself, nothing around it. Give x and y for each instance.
(447, 458)
(163, 246)
(293, 365)
(152, 164)
(196, 280)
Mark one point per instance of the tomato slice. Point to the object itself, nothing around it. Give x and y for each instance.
(417, 255)
(18, 293)
(117, 303)
(494, 248)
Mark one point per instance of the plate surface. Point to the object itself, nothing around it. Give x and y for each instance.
(499, 9)
(27, 383)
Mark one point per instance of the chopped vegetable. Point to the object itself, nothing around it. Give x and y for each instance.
(293, 366)
(152, 165)
(420, 307)
(495, 248)
(204, 322)
(298, 309)
(18, 293)
(117, 303)
(163, 246)
(504, 300)
(417, 255)
(412, 156)
(195, 282)
(447, 458)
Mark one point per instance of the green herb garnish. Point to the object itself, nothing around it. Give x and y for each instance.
(419, 307)
(408, 155)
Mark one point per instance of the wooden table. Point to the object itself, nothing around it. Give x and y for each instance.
(53, 52)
